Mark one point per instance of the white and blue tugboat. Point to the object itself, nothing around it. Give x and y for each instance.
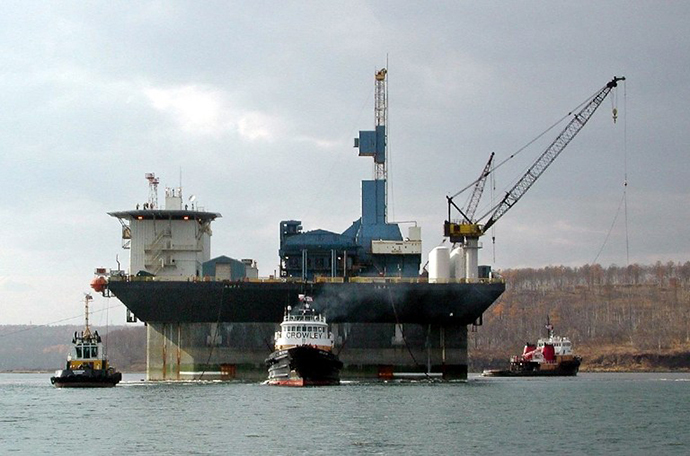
(303, 353)
(87, 365)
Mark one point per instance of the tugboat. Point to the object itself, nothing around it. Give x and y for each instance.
(87, 365)
(303, 353)
(549, 357)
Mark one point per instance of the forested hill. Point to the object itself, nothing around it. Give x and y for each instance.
(619, 318)
(632, 318)
(45, 348)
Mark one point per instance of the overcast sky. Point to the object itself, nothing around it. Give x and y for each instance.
(256, 104)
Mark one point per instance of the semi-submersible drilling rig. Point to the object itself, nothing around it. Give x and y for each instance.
(215, 318)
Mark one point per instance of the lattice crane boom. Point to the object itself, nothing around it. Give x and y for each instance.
(549, 155)
(472, 229)
(478, 190)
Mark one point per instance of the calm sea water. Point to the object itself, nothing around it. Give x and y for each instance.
(626, 414)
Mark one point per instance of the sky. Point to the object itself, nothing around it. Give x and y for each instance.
(253, 106)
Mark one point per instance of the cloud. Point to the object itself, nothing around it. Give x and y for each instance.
(195, 109)
(7, 284)
(201, 110)
(257, 126)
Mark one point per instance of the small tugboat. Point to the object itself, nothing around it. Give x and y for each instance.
(87, 365)
(303, 353)
(550, 357)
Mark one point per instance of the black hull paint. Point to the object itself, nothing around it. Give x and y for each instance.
(564, 369)
(311, 365)
(349, 302)
(87, 379)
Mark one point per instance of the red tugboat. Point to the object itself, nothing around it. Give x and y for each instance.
(550, 357)
(303, 353)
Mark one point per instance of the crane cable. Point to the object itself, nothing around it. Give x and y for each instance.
(516, 153)
(493, 228)
(620, 204)
(624, 199)
(625, 169)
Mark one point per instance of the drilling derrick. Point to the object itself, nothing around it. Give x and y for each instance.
(381, 113)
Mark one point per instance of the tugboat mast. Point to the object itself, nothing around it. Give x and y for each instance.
(87, 331)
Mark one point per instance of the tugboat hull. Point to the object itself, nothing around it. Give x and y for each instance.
(568, 368)
(303, 366)
(85, 379)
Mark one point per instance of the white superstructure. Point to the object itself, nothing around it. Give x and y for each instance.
(304, 326)
(561, 345)
(172, 242)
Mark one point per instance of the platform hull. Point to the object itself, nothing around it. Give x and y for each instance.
(224, 330)
(349, 302)
(237, 351)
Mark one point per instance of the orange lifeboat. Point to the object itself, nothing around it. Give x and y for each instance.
(99, 284)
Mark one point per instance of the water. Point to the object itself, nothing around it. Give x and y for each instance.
(626, 414)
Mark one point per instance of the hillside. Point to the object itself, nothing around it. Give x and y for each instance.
(45, 348)
(634, 318)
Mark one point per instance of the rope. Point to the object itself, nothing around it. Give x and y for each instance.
(215, 334)
(32, 327)
(107, 330)
(402, 330)
(343, 344)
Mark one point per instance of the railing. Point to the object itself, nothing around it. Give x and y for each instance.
(381, 280)
(420, 280)
(329, 279)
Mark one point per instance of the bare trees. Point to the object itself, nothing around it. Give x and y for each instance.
(645, 307)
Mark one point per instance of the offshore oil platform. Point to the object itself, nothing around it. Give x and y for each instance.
(210, 318)
(215, 318)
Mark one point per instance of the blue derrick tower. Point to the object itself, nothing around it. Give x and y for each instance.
(370, 246)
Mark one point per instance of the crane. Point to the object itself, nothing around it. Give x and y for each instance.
(470, 230)
(471, 207)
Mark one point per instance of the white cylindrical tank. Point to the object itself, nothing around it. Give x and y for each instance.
(472, 258)
(457, 263)
(439, 264)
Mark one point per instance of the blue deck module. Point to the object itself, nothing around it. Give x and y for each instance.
(321, 253)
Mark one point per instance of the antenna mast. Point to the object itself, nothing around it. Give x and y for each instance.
(153, 190)
(87, 331)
